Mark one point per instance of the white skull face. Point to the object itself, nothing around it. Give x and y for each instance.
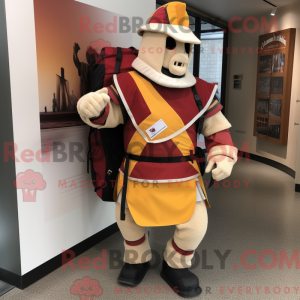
(177, 56)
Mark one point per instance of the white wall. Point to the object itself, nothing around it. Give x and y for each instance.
(129, 8)
(240, 104)
(41, 240)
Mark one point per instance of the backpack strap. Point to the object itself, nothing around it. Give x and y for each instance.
(200, 107)
(118, 60)
(199, 130)
(135, 52)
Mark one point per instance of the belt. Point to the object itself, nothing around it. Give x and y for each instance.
(175, 159)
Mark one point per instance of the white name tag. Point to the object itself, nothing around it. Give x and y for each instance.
(156, 129)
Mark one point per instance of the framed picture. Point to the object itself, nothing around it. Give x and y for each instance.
(275, 107)
(274, 76)
(264, 85)
(265, 64)
(263, 106)
(274, 129)
(262, 126)
(277, 85)
(278, 63)
(66, 55)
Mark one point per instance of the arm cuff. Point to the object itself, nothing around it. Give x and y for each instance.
(102, 118)
(224, 150)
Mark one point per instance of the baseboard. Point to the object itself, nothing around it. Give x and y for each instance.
(269, 162)
(297, 188)
(41, 271)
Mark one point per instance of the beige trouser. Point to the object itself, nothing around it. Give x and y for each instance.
(187, 237)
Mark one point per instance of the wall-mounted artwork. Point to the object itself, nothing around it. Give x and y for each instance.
(274, 83)
(275, 107)
(274, 129)
(278, 63)
(264, 85)
(277, 85)
(265, 65)
(68, 42)
(262, 126)
(263, 106)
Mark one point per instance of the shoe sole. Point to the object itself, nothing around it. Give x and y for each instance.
(179, 293)
(128, 283)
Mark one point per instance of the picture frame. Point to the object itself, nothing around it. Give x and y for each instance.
(273, 85)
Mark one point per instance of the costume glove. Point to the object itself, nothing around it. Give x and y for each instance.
(92, 104)
(224, 157)
(223, 169)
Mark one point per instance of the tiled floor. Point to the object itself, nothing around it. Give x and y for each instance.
(258, 213)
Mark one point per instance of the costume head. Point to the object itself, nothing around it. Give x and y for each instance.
(168, 41)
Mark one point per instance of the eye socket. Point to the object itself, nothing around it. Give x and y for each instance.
(187, 47)
(171, 43)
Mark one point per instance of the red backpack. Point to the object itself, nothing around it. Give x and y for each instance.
(106, 146)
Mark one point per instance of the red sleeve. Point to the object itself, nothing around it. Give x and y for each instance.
(218, 139)
(102, 119)
(214, 108)
(113, 94)
(206, 91)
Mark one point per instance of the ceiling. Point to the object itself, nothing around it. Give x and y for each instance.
(227, 9)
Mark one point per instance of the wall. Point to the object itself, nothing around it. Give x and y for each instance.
(240, 104)
(9, 230)
(41, 239)
(129, 8)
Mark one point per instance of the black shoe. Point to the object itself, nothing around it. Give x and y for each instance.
(183, 282)
(133, 274)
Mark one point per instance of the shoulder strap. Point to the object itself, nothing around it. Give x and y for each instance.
(200, 107)
(118, 60)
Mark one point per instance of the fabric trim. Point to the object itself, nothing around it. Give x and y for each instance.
(214, 124)
(182, 252)
(161, 79)
(224, 150)
(161, 180)
(175, 133)
(167, 14)
(102, 119)
(136, 243)
(178, 32)
(113, 94)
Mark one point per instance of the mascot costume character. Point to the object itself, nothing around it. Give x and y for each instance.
(159, 183)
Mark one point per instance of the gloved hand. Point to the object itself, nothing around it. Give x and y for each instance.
(223, 169)
(92, 104)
